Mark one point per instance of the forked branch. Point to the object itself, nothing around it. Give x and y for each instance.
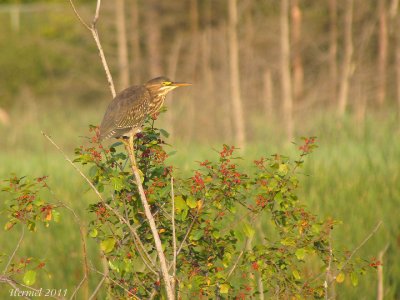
(93, 30)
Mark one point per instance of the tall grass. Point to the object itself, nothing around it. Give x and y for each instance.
(353, 177)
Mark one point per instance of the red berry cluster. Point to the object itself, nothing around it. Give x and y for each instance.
(307, 146)
(375, 263)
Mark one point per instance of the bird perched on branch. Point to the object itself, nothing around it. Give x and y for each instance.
(127, 111)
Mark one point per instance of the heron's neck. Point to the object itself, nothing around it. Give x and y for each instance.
(156, 103)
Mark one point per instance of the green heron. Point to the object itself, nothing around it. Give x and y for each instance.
(127, 111)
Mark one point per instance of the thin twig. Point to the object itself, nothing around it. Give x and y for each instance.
(78, 287)
(84, 250)
(189, 229)
(13, 283)
(97, 14)
(78, 15)
(116, 283)
(96, 38)
(149, 216)
(116, 212)
(245, 247)
(15, 250)
(235, 264)
(358, 248)
(105, 275)
(10, 282)
(173, 234)
(328, 273)
(104, 61)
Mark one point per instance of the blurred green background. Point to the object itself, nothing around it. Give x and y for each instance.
(51, 79)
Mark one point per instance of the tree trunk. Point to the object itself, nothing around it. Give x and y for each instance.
(237, 107)
(268, 94)
(153, 38)
(172, 67)
(333, 34)
(298, 71)
(285, 69)
(393, 8)
(136, 53)
(348, 54)
(194, 17)
(383, 52)
(123, 63)
(397, 32)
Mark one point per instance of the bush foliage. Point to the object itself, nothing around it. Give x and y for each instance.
(237, 232)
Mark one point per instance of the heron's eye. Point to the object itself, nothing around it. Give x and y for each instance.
(166, 83)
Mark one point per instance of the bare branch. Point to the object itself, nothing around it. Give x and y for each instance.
(189, 229)
(14, 284)
(328, 273)
(82, 232)
(381, 292)
(105, 275)
(149, 216)
(10, 282)
(78, 287)
(79, 16)
(104, 61)
(116, 283)
(15, 250)
(247, 244)
(96, 38)
(235, 264)
(358, 248)
(97, 14)
(173, 234)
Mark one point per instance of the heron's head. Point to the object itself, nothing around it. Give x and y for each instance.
(163, 85)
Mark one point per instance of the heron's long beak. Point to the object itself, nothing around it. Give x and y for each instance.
(180, 84)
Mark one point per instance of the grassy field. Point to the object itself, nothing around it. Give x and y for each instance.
(354, 177)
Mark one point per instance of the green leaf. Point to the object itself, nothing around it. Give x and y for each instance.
(224, 288)
(107, 245)
(31, 226)
(196, 235)
(93, 233)
(164, 133)
(316, 228)
(216, 234)
(118, 183)
(288, 242)
(114, 266)
(248, 230)
(354, 278)
(340, 277)
(191, 202)
(29, 277)
(38, 202)
(180, 204)
(283, 169)
(300, 253)
(93, 171)
(296, 274)
(56, 216)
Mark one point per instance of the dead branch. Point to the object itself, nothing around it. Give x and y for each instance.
(381, 292)
(173, 234)
(149, 216)
(15, 250)
(358, 248)
(93, 31)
